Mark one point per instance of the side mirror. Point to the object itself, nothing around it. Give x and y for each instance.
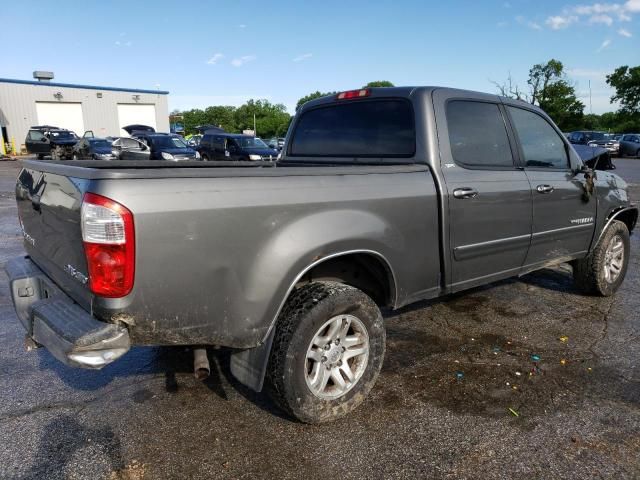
(44, 139)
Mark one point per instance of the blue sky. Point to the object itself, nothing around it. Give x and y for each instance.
(224, 52)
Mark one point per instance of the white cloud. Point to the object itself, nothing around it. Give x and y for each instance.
(302, 57)
(242, 25)
(558, 22)
(632, 6)
(216, 57)
(604, 45)
(118, 43)
(238, 62)
(625, 33)
(594, 14)
(523, 21)
(502, 24)
(601, 18)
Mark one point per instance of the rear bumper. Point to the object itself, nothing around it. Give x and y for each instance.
(54, 320)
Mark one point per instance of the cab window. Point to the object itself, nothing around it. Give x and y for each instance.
(542, 146)
(478, 135)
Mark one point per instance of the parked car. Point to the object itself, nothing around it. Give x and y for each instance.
(383, 197)
(630, 145)
(276, 143)
(234, 146)
(127, 148)
(585, 137)
(90, 147)
(166, 146)
(194, 141)
(43, 140)
(598, 139)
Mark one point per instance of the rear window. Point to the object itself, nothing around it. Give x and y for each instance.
(372, 128)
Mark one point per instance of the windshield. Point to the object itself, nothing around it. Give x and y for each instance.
(100, 144)
(61, 134)
(169, 142)
(250, 142)
(598, 136)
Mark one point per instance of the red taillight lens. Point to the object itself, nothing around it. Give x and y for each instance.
(109, 245)
(365, 92)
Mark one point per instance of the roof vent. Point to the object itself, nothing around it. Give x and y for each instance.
(42, 76)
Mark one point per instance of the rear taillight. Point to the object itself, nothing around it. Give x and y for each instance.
(364, 92)
(109, 245)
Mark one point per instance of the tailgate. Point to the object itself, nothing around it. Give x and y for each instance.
(49, 209)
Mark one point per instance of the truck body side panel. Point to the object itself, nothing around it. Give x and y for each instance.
(216, 257)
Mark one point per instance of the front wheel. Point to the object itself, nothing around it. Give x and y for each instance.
(327, 352)
(604, 269)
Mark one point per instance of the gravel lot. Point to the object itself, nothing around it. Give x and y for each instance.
(147, 417)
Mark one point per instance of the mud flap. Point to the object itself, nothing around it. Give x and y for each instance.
(249, 366)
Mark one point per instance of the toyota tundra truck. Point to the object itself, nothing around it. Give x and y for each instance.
(382, 197)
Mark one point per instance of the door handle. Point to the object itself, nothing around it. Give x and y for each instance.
(544, 188)
(465, 192)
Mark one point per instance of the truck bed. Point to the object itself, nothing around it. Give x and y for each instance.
(219, 246)
(106, 170)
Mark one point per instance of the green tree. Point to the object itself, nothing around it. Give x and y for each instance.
(551, 91)
(271, 119)
(559, 101)
(221, 116)
(312, 96)
(626, 82)
(379, 83)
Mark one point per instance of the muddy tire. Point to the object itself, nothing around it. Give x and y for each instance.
(327, 352)
(604, 269)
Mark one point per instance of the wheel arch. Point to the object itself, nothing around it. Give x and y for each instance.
(249, 366)
(627, 215)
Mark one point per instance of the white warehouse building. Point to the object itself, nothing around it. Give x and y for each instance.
(105, 110)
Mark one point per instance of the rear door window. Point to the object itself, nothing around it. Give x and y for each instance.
(478, 135)
(542, 146)
(382, 128)
(35, 135)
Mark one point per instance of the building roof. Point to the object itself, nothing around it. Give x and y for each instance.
(89, 87)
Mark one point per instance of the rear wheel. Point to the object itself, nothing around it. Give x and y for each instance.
(327, 352)
(205, 157)
(40, 156)
(603, 270)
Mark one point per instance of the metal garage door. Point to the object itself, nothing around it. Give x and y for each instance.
(61, 114)
(132, 114)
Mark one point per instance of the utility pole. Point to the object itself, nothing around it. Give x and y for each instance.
(255, 132)
(590, 104)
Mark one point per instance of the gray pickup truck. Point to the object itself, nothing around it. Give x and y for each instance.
(382, 197)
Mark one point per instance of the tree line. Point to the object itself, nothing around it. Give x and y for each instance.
(272, 120)
(549, 88)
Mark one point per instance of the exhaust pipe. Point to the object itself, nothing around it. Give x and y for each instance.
(201, 368)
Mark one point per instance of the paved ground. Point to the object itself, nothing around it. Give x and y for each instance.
(147, 417)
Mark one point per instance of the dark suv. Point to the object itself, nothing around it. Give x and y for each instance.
(233, 146)
(165, 146)
(48, 140)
